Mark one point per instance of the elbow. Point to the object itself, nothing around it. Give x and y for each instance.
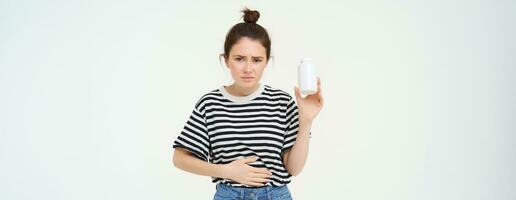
(295, 173)
(292, 170)
(179, 156)
(175, 159)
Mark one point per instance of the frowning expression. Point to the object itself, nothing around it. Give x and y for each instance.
(247, 61)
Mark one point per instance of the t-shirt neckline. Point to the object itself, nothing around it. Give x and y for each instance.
(242, 99)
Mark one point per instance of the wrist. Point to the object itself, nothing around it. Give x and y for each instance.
(305, 119)
(304, 127)
(305, 122)
(221, 171)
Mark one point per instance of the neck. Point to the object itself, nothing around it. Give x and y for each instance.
(237, 90)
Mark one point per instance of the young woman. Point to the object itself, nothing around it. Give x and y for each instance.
(249, 137)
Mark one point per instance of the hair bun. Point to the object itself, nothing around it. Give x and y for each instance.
(250, 16)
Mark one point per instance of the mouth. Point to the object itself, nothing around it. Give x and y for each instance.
(247, 78)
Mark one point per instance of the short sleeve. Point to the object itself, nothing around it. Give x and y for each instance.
(292, 125)
(194, 136)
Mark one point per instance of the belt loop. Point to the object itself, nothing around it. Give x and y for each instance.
(269, 193)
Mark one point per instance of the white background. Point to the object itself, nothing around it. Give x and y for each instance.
(420, 96)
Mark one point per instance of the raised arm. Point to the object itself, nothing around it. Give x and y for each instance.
(294, 159)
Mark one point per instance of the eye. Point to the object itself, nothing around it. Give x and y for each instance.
(257, 60)
(239, 59)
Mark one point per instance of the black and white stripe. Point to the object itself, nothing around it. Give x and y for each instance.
(223, 128)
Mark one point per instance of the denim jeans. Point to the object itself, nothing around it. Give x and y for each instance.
(226, 192)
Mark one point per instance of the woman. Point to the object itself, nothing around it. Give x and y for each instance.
(249, 137)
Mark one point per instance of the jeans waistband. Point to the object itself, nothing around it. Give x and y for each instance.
(259, 191)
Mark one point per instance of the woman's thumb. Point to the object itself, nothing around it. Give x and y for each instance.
(250, 159)
(297, 93)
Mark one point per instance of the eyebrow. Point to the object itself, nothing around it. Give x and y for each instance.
(245, 56)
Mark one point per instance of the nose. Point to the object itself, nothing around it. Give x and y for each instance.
(248, 67)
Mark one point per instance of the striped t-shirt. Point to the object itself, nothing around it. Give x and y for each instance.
(223, 128)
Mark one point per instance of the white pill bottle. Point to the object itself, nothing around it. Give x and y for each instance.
(307, 77)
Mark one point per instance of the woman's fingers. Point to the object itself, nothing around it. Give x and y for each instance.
(262, 175)
(318, 85)
(319, 91)
(258, 177)
(249, 159)
(321, 99)
(253, 183)
(261, 170)
(260, 180)
(257, 181)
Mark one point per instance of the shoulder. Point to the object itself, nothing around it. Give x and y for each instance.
(281, 96)
(278, 93)
(213, 95)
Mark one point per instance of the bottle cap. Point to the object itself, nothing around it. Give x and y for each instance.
(307, 59)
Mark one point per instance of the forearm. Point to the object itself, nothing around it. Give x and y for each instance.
(187, 162)
(296, 157)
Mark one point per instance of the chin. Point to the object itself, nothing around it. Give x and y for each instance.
(248, 84)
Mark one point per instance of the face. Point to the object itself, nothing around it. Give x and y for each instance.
(246, 61)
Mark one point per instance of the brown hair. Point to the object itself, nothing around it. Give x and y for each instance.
(249, 28)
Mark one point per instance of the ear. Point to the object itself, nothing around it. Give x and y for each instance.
(225, 58)
(269, 64)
